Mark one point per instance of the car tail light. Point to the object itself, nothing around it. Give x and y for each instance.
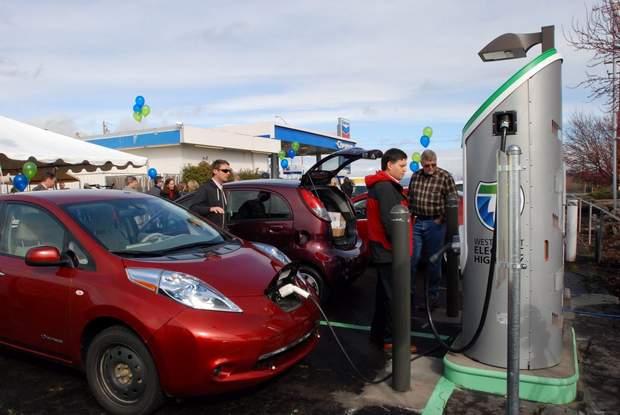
(314, 204)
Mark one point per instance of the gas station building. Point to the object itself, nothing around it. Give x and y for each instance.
(252, 146)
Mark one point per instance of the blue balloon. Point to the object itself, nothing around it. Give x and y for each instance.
(425, 141)
(414, 166)
(20, 182)
(152, 173)
(137, 108)
(291, 153)
(284, 163)
(140, 100)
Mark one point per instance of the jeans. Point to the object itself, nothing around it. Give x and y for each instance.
(428, 238)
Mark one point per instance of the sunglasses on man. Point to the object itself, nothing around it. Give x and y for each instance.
(429, 165)
(224, 170)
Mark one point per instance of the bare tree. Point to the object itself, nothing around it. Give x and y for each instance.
(587, 147)
(600, 34)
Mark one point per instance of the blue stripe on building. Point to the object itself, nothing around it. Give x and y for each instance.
(311, 139)
(140, 140)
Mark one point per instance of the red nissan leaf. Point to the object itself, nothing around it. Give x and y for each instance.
(148, 299)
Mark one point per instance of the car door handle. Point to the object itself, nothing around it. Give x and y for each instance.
(275, 229)
(2, 274)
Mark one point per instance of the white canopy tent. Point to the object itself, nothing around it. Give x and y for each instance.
(20, 142)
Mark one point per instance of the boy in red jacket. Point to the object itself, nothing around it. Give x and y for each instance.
(384, 192)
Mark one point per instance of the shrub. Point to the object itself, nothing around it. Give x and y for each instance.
(201, 173)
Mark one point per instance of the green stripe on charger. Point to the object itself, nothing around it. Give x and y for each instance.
(367, 328)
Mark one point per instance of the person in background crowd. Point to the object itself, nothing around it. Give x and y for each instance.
(429, 189)
(170, 190)
(347, 187)
(384, 192)
(61, 186)
(192, 186)
(48, 182)
(210, 196)
(156, 189)
(182, 188)
(131, 184)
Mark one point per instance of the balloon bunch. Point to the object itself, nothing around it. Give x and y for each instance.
(21, 180)
(140, 110)
(291, 153)
(425, 140)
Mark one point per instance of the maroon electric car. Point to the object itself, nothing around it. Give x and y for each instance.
(312, 222)
(149, 299)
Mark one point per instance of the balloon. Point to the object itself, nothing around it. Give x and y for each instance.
(428, 131)
(146, 110)
(295, 146)
(284, 163)
(416, 157)
(140, 101)
(291, 153)
(137, 116)
(29, 169)
(414, 166)
(425, 141)
(20, 182)
(137, 108)
(152, 173)
(282, 154)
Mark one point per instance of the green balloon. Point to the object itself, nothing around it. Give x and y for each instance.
(416, 157)
(137, 116)
(146, 110)
(29, 169)
(295, 146)
(428, 131)
(282, 154)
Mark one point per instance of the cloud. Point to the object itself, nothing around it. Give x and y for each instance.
(212, 62)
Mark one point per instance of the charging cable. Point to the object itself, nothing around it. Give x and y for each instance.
(289, 289)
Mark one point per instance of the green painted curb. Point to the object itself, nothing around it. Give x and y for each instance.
(514, 78)
(367, 328)
(531, 388)
(438, 400)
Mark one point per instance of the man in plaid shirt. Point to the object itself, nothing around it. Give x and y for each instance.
(429, 189)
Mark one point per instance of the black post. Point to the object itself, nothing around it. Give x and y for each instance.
(598, 246)
(401, 304)
(452, 272)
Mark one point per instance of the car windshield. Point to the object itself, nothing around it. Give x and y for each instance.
(143, 226)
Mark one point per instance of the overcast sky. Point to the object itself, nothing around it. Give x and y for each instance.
(391, 67)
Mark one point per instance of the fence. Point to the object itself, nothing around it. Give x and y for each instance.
(598, 230)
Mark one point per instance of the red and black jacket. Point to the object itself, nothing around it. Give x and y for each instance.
(384, 192)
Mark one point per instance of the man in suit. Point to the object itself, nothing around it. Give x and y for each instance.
(210, 198)
(48, 182)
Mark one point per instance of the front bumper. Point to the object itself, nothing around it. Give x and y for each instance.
(204, 352)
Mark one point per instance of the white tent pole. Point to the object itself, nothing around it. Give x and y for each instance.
(2, 180)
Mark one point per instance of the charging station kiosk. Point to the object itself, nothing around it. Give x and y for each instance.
(532, 100)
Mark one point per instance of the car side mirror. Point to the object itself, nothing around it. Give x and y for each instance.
(46, 256)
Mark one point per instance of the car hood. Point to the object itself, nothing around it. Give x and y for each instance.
(242, 272)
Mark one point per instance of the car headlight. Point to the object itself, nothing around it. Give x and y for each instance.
(183, 288)
(273, 252)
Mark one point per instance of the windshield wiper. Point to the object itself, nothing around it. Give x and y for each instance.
(138, 253)
(194, 245)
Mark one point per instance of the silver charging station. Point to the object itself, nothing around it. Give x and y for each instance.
(531, 99)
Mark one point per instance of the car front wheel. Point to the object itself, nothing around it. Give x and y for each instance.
(121, 373)
(314, 280)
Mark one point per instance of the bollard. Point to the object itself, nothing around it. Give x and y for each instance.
(598, 243)
(572, 213)
(452, 271)
(401, 300)
(514, 275)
